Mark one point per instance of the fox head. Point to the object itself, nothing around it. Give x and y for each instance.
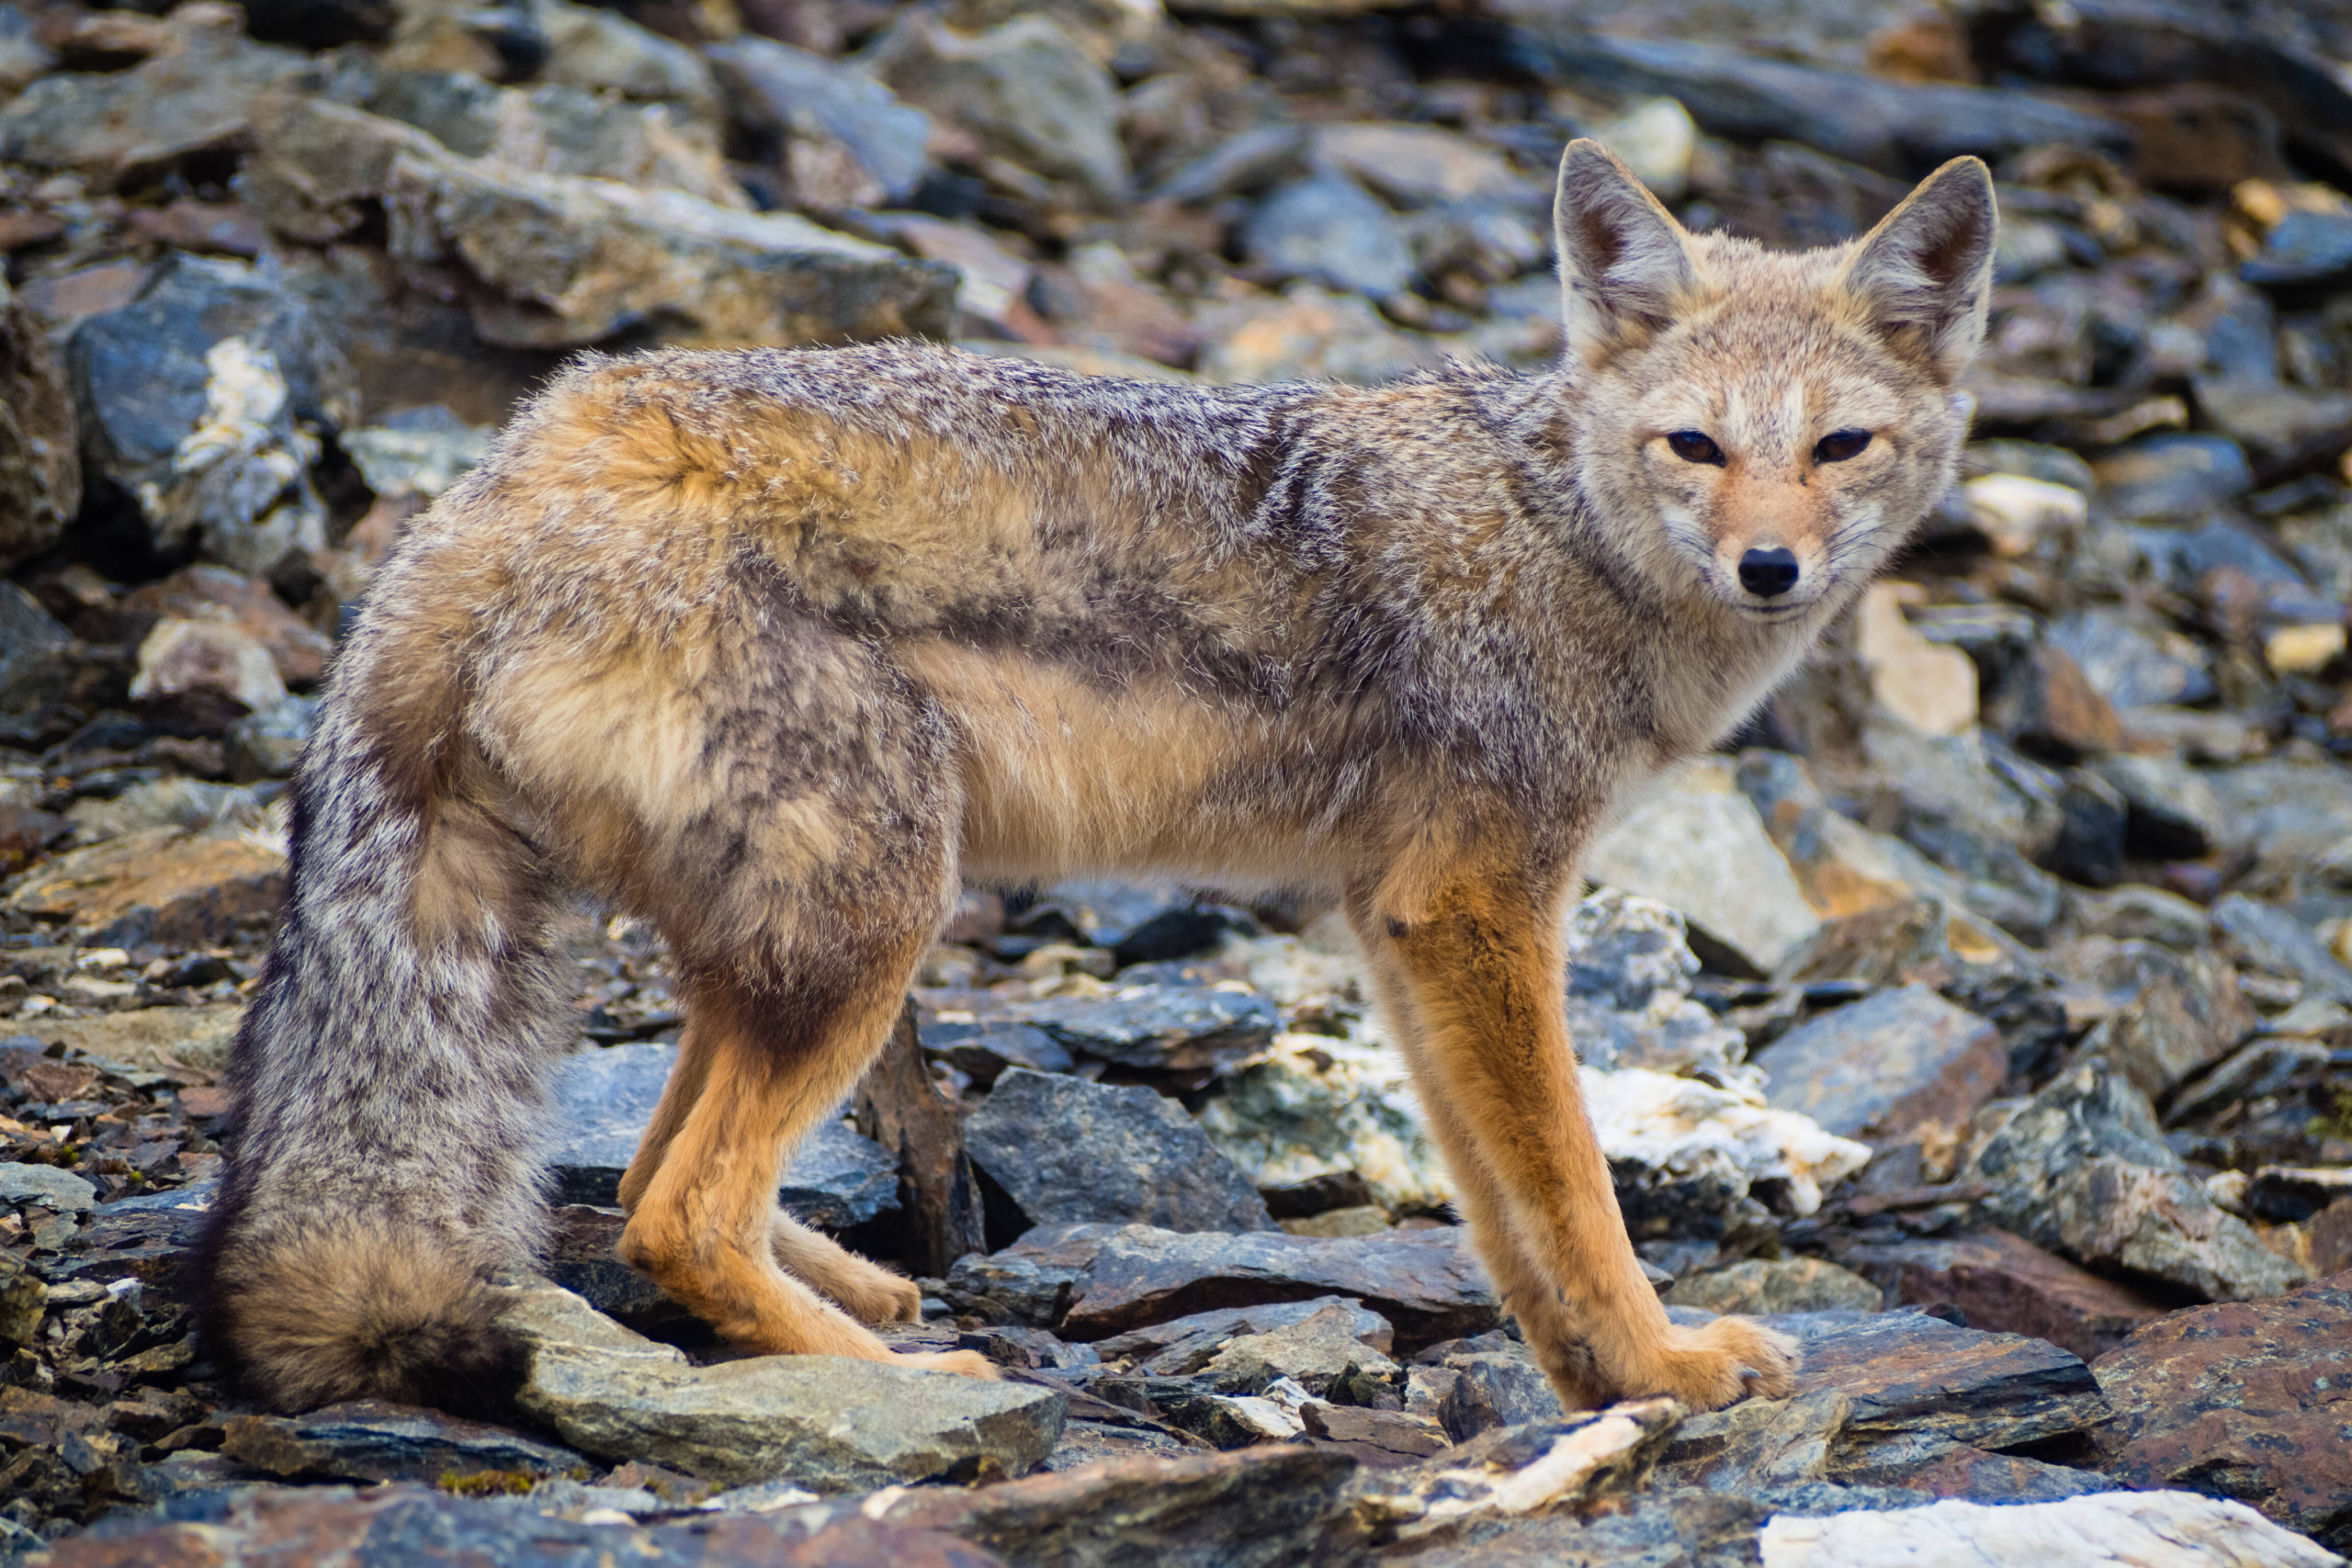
(1773, 425)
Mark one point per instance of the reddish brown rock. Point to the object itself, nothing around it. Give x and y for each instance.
(2250, 1400)
(162, 885)
(1245, 1509)
(2005, 1282)
(2048, 705)
(216, 594)
(1912, 1374)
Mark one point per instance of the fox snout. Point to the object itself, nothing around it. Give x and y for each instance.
(1769, 572)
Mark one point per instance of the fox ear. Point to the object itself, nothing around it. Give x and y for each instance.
(1924, 273)
(1624, 261)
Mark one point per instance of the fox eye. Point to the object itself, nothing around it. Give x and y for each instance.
(1840, 444)
(1694, 447)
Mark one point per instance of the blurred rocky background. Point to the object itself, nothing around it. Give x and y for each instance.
(1982, 1014)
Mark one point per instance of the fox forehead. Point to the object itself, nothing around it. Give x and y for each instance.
(1764, 383)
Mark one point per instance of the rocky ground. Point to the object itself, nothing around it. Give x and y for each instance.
(1982, 1015)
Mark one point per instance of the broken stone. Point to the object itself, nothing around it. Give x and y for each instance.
(1169, 1028)
(2174, 1013)
(162, 885)
(370, 1440)
(1315, 1106)
(1908, 1374)
(408, 1523)
(1880, 1069)
(199, 399)
(2241, 1399)
(2049, 707)
(1685, 1155)
(571, 260)
(1696, 844)
(1480, 1384)
(186, 656)
(1629, 971)
(41, 472)
(1779, 1285)
(2082, 1169)
(1926, 686)
(1026, 88)
(823, 1422)
(1255, 1508)
(780, 92)
(194, 94)
(604, 1097)
(416, 451)
(2014, 512)
(1426, 1283)
(1329, 228)
(1561, 1466)
(1058, 1150)
(2003, 1283)
(48, 1186)
(1183, 1345)
(2284, 945)
(1316, 1353)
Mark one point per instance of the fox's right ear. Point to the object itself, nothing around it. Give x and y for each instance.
(1624, 262)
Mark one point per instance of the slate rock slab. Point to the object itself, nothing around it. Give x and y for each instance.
(823, 1422)
(1908, 1372)
(1167, 1028)
(2082, 1169)
(398, 1525)
(2250, 1400)
(1255, 1508)
(1879, 1068)
(374, 1441)
(1182, 1346)
(1427, 1282)
(1060, 1150)
(604, 1097)
(2005, 1283)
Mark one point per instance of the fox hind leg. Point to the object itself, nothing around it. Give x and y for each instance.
(780, 1055)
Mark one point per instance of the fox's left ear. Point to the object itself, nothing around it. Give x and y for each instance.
(1924, 273)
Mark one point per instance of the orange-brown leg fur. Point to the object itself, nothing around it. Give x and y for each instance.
(1477, 969)
(704, 1224)
(867, 1291)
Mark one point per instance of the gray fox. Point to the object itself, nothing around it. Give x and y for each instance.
(778, 649)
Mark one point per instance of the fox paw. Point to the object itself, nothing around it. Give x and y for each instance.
(876, 1296)
(1720, 1363)
(965, 1363)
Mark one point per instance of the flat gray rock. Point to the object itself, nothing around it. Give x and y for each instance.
(824, 1422)
(1061, 1150)
(604, 1097)
(1882, 1067)
(48, 1186)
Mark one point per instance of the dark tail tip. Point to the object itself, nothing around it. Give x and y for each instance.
(312, 1314)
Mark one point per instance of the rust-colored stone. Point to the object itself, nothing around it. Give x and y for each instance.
(2250, 1400)
(2005, 1282)
(899, 1108)
(162, 885)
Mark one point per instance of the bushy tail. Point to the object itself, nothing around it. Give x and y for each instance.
(387, 1080)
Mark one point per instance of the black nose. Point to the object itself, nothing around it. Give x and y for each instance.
(1768, 574)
